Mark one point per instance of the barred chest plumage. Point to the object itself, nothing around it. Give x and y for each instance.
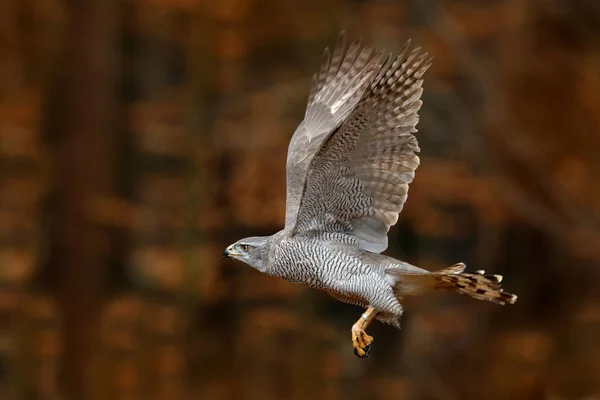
(317, 263)
(297, 262)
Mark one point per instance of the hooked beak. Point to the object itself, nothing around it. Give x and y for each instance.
(228, 253)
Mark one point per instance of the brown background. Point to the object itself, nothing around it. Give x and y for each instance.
(139, 137)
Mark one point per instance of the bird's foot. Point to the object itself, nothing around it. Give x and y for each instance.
(361, 342)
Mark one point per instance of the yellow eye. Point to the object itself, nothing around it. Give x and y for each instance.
(244, 247)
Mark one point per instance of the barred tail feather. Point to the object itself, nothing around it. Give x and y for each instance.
(408, 282)
(476, 285)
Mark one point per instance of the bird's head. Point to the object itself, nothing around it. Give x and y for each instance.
(254, 251)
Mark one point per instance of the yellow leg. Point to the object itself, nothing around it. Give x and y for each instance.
(360, 340)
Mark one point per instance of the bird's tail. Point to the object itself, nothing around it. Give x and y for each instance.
(477, 284)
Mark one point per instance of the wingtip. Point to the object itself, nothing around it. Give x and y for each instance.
(356, 42)
(341, 40)
(405, 46)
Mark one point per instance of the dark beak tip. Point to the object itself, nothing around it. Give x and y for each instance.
(226, 253)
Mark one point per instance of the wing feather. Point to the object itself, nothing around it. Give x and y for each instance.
(342, 80)
(357, 182)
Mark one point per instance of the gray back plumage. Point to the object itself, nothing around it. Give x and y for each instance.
(352, 158)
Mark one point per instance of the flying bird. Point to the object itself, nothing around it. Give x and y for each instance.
(349, 164)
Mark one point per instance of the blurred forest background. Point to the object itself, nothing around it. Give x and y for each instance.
(139, 137)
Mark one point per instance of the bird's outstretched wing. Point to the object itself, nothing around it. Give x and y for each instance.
(357, 182)
(335, 91)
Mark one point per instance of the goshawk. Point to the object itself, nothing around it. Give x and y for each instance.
(349, 164)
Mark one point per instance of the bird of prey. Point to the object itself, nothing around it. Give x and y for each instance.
(349, 164)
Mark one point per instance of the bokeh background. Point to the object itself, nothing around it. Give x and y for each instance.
(139, 137)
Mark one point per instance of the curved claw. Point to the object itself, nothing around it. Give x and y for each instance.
(366, 352)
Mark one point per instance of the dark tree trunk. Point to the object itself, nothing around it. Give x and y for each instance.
(84, 139)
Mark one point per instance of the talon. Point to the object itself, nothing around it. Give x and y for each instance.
(368, 350)
(361, 343)
(362, 353)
